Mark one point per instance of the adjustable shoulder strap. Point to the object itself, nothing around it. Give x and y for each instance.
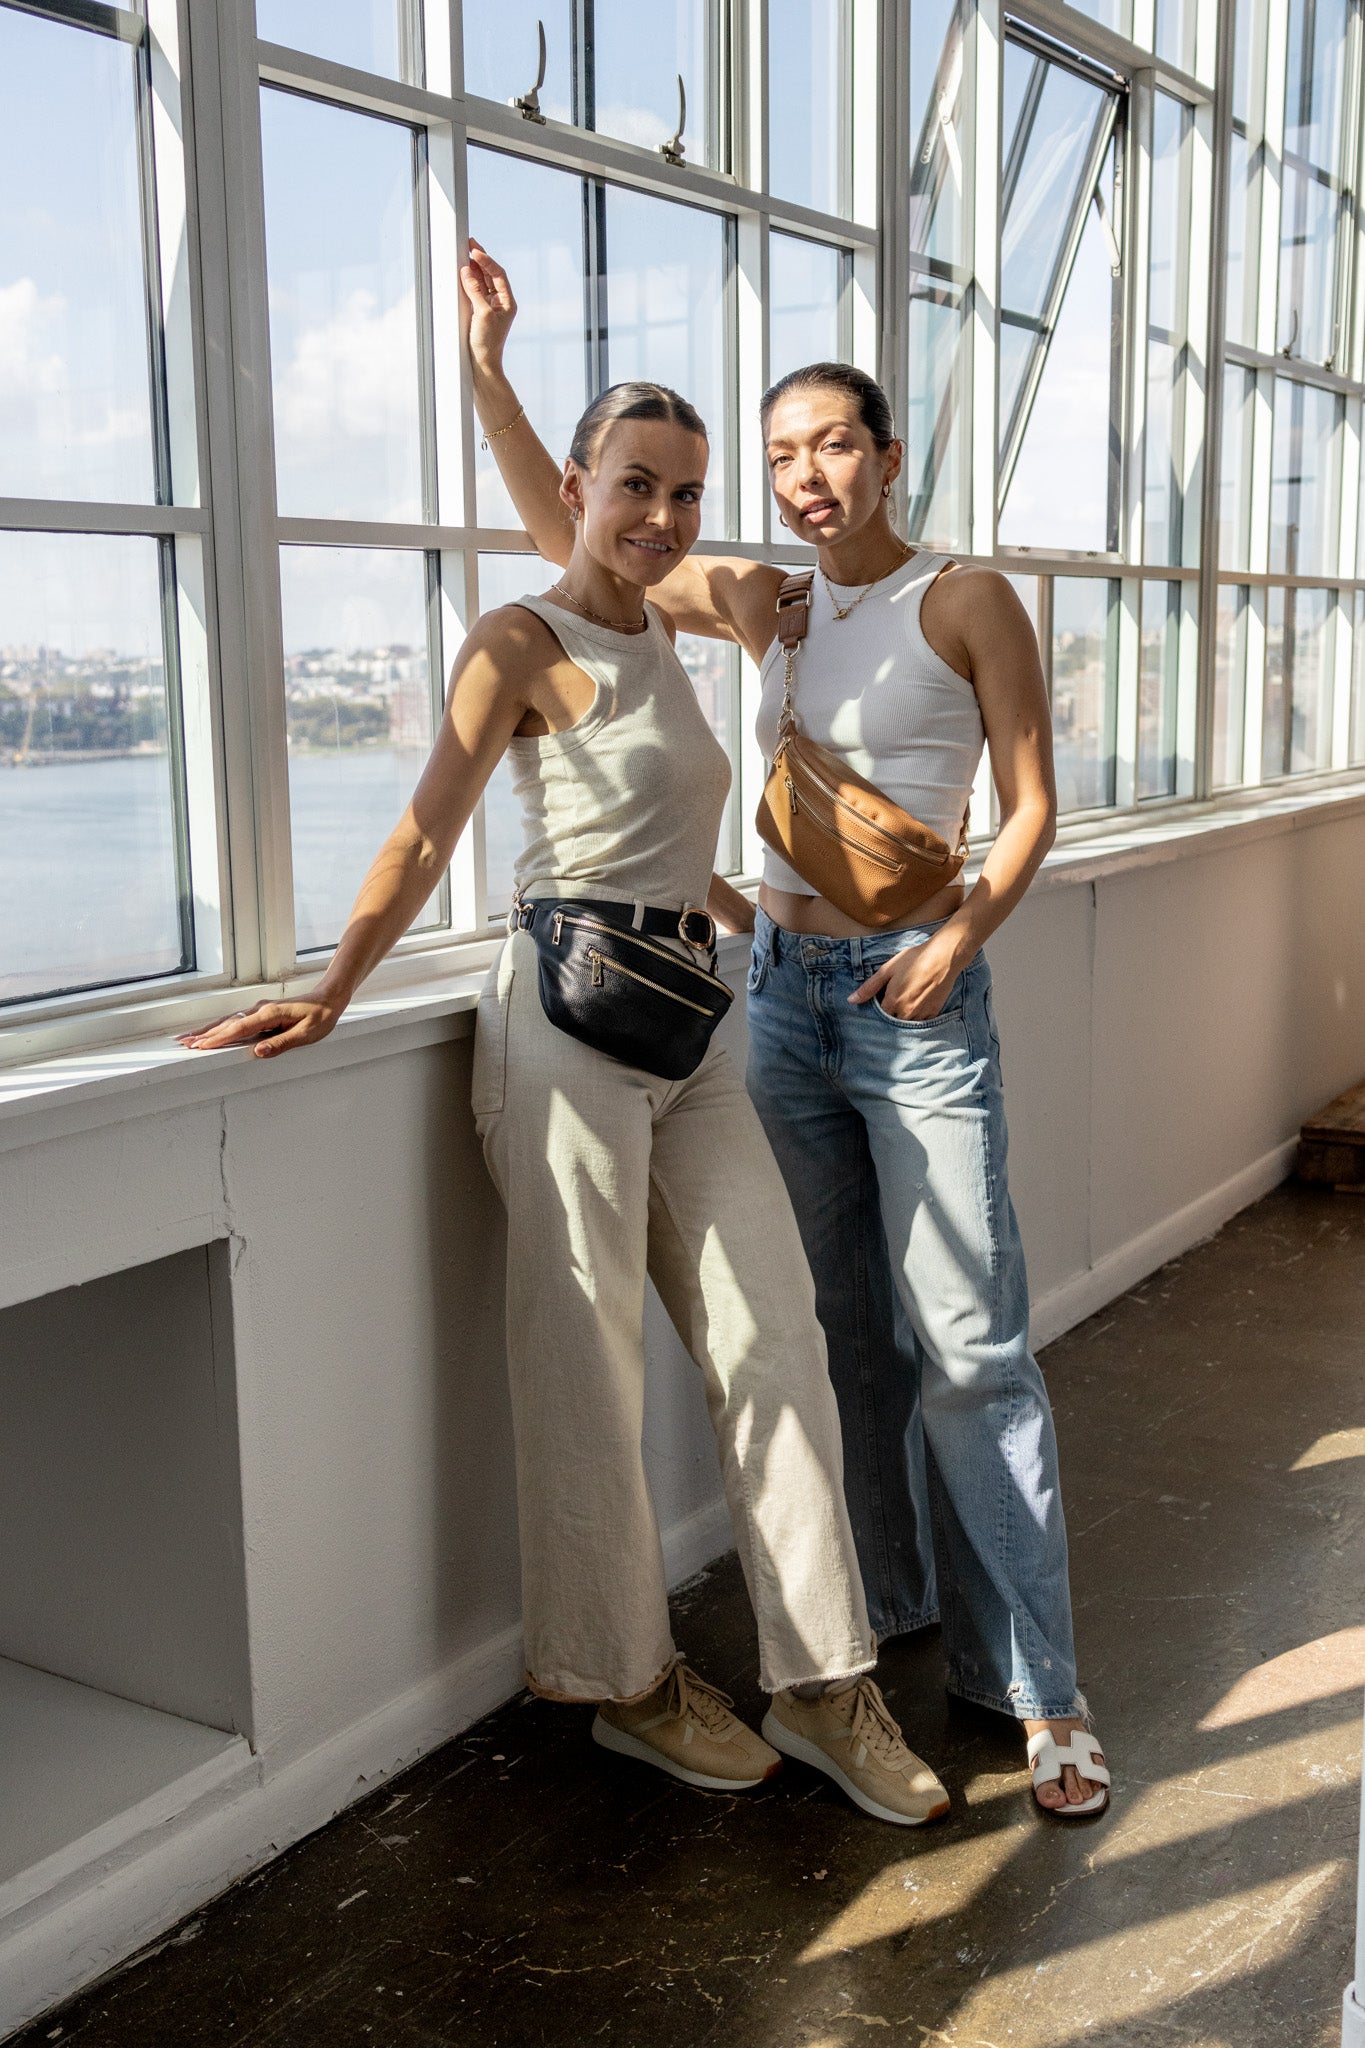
(793, 608)
(793, 618)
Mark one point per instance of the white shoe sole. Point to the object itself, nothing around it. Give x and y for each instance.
(801, 1751)
(630, 1745)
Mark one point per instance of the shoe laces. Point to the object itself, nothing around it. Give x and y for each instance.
(707, 1704)
(872, 1724)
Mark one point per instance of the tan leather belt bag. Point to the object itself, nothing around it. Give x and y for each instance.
(852, 844)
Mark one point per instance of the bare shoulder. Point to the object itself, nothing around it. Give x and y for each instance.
(968, 592)
(515, 642)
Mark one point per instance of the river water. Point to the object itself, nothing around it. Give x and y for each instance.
(87, 867)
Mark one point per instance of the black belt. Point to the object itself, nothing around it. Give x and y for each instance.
(696, 928)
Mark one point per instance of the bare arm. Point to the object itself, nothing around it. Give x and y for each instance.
(720, 596)
(988, 634)
(485, 705)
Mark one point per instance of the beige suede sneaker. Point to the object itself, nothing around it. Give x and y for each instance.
(851, 1737)
(685, 1727)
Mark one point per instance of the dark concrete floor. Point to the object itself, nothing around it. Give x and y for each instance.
(522, 1886)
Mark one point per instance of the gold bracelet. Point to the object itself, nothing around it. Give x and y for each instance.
(498, 432)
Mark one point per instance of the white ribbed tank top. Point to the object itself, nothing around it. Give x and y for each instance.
(872, 690)
(627, 803)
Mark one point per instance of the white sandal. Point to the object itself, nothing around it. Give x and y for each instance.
(1047, 1757)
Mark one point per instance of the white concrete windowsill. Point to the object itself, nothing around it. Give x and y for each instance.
(135, 1075)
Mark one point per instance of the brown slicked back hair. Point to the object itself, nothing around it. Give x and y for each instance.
(874, 407)
(634, 401)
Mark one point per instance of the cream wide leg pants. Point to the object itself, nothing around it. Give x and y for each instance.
(607, 1174)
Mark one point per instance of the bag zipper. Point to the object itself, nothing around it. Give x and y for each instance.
(617, 931)
(882, 860)
(868, 826)
(601, 960)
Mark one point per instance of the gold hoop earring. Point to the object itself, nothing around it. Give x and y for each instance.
(886, 490)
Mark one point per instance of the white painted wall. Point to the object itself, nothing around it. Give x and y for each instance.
(1167, 1023)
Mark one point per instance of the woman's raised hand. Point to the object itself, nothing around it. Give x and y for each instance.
(491, 307)
(267, 1027)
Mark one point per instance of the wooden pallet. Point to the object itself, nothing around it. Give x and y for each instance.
(1332, 1144)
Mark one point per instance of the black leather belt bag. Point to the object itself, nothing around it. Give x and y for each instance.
(605, 979)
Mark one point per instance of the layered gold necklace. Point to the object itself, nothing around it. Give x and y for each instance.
(841, 611)
(617, 625)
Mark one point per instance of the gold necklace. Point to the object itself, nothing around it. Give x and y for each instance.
(617, 625)
(841, 611)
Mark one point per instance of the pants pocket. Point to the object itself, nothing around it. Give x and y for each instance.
(488, 1092)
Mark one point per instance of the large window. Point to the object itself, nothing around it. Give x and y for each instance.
(246, 515)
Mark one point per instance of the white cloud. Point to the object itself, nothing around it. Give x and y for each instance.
(355, 375)
(29, 366)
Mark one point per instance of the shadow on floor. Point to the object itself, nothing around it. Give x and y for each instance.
(522, 1886)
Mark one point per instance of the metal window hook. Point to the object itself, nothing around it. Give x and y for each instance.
(1292, 342)
(528, 106)
(674, 151)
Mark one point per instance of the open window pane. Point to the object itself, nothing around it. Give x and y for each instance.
(1049, 148)
(1230, 686)
(1297, 727)
(808, 139)
(667, 270)
(531, 219)
(90, 874)
(1062, 493)
(937, 457)
(358, 702)
(803, 304)
(344, 342)
(1305, 475)
(502, 52)
(635, 76)
(371, 35)
(937, 169)
(1158, 766)
(75, 392)
(1059, 308)
(1084, 669)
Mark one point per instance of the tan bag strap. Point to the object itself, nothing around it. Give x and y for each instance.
(793, 620)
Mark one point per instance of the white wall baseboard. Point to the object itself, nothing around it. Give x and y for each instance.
(108, 1910)
(1084, 1293)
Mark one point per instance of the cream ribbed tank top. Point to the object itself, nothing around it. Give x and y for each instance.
(872, 690)
(628, 802)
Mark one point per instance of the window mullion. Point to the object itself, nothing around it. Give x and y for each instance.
(1270, 183)
(986, 72)
(247, 550)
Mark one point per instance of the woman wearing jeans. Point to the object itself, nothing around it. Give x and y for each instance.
(875, 1061)
(610, 1172)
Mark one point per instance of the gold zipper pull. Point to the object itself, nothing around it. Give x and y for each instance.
(557, 927)
(596, 959)
(791, 794)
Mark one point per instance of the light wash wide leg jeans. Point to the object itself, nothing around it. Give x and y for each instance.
(891, 1138)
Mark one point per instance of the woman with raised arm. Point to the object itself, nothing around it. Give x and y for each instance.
(874, 1059)
(623, 1143)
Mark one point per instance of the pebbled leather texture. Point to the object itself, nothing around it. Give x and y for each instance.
(625, 994)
